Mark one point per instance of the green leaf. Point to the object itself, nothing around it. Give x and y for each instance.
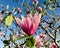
(9, 19)
(33, 41)
(30, 42)
(6, 42)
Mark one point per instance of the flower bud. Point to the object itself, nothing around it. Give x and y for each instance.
(35, 0)
(39, 8)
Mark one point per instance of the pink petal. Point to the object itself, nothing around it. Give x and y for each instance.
(36, 20)
(38, 41)
(19, 22)
(53, 45)
(28, 24)
(42, 35)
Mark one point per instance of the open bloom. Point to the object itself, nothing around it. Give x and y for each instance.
(30, 23)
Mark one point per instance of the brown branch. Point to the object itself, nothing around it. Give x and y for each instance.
(48, 33)
(55, 39)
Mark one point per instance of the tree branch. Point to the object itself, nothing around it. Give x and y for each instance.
(48, 33)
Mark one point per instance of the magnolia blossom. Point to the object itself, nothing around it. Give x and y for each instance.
(53, 45)
(29, 24)
(42, 35)
(39, 39)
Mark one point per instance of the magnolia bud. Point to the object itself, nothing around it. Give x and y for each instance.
(39, 8)
(35, 0)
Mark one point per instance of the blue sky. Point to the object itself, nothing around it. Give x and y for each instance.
(15, 4)
(10, 3)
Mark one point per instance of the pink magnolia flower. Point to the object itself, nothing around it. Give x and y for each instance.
(30, 23)
(39, 8)
(42, 35)
(35, 0)
(53, 45)
(38, 41)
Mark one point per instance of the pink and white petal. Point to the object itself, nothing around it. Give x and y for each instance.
(38, 41)
(19, 22)
(29, 22)
(23, 18)
(36, 20)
